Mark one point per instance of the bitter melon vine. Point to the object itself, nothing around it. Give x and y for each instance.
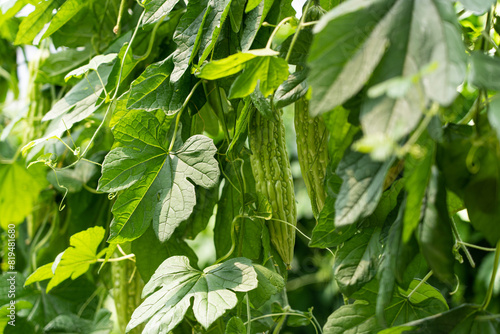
(235, 166)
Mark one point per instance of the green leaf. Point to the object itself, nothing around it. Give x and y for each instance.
(71, 323)
(270, 283)
(155, 179)
(483, 71)
(418, 170)
(156, 9)
(42, 273)
(269, 71)
(478, 6)
(235, 326)
(19, 190)
(34, 22)
(216, 16)
(435, 236)
(360, 316)
(213, 290)
(252, 23)
(236, 14)
(93, 65)
(257, 65)
(361, 189)
(74, 261)
(206, 199)
(325, 234)
(153, 89)
(364, 30)
(341, 133)
(79, 103)
(187, 36)
(356, 262)
(68, 9)
(73, 178)
(457, 320)
(148, 244)
(291, 90)
(228, 208)
(54, 68)
(482, 194)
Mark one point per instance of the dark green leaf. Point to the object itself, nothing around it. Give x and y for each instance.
(270, 283)
(148, 244)
(153, 89)
(456, 320)
(291, 90)
(163, 194)
(356, 262)
(325, 234)
(418, 170)
(361, 189)
(435, 236)
(235, 326)
(360, 316)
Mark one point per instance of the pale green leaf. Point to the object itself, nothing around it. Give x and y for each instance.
(212, 289)
(365, 30)
(93, 65)
(478, 6)
(156, 9)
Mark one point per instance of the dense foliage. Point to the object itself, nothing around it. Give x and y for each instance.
(225, 167)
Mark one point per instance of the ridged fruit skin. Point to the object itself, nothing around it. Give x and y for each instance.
(273, 179)
(127, 296)
(312, 149)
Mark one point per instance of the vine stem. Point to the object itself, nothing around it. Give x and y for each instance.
(118, 27)
(461, 244)
(299, 27)
(489, 293)
(429, 274)
(249, 314)
(178, 118)
(275, 31)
